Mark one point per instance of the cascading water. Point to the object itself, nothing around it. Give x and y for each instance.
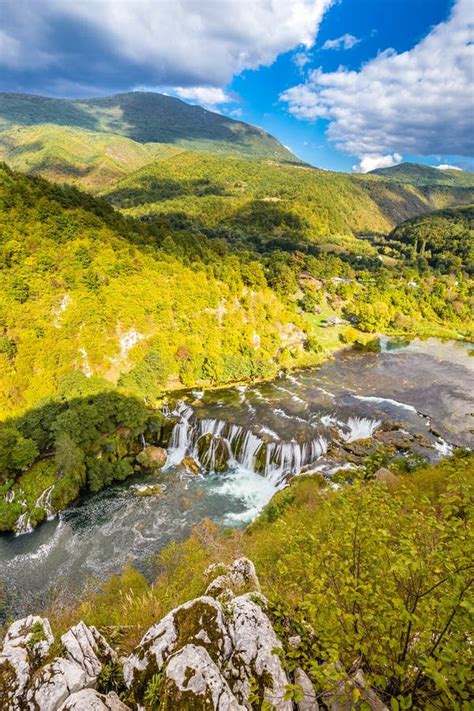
(179, 437)
(43, 501)
(359, 428)
(207, 439)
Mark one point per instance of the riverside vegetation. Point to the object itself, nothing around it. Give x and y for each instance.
(95, 302)
(373, 581)
(98, 309)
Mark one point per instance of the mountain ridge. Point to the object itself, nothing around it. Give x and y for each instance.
(419, 174)
(145, 117)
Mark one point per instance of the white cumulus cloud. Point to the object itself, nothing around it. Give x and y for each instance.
(344, 42)
(446, 166)
(181, 43)
(208, 96)
(419, 101)
(371, 162)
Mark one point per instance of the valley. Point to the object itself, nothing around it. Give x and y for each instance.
(210, 349)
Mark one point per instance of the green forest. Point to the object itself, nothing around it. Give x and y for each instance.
(196, 281)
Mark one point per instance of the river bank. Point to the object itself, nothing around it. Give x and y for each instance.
(338, 415)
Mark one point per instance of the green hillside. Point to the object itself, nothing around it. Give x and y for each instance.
(267, 201)
(88, 294)
(144, 117)
(443, 239)
(425, 175)
(77, 156)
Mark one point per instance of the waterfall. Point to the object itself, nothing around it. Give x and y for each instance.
(359, 428)
(178, 445)
(241, 446)
(23, 524)
(44, 502)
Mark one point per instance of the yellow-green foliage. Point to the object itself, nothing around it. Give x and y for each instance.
(270, 199)
(75, 155)
(84, 290)
(369, 573)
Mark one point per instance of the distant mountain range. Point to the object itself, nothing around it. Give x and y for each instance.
(143, 117)
(417, 174)
(150, 153)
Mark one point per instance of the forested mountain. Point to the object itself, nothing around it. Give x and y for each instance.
(266, 201)
(88, 293)
(145, 305)
(443, 239)
(417, 174)
(149, 153)
(144, 117)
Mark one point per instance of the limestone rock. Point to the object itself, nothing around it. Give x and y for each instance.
(193, 682)
(200, 622)
(152, 457)
(54, 683)
(308, 702)
(237, 578)
(87, 648)
(243, 575)
(220, 588)
(253, 642)
(91, 700)
(26, 643)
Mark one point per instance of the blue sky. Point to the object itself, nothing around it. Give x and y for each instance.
(346, 84)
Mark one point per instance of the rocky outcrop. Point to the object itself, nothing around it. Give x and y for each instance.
(26, 644)
(218, 652)
(212, 651)
(152, 457)
(27, 683)
(91, 700)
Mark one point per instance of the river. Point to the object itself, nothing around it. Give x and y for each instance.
(423, 389)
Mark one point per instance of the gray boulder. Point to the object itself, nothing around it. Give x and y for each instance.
(26, 644)
(91, 700)
(192, 681)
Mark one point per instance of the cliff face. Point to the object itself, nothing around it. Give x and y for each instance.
(218, 652)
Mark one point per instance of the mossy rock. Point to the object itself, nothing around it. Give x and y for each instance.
(152, 457)
(148, 490)
(213, 452)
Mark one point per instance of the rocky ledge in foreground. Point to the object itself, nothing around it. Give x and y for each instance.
(216, 652)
